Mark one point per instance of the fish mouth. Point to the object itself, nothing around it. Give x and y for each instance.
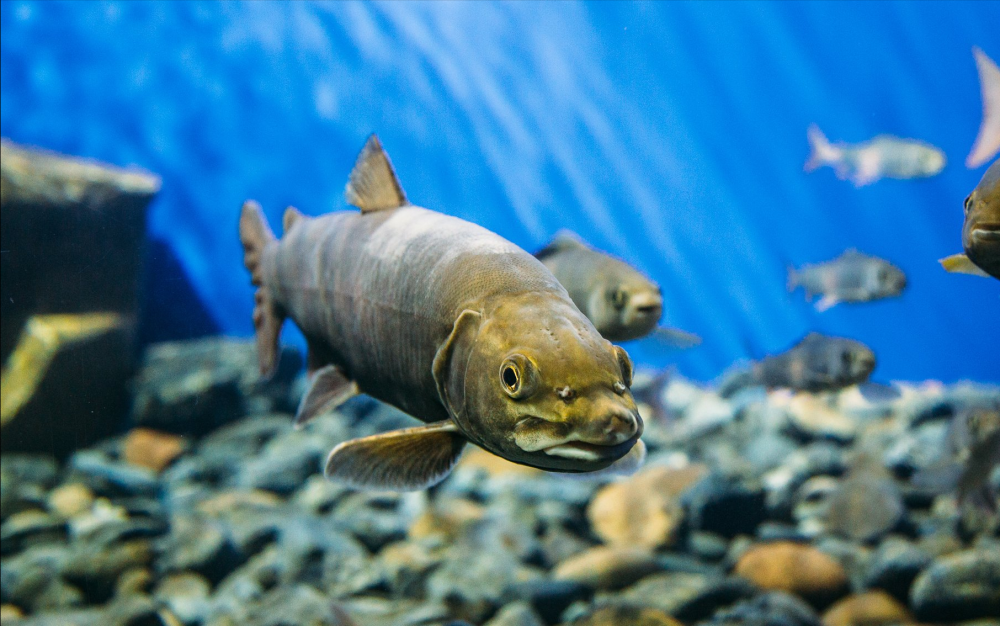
(583, 451)
(986, 232)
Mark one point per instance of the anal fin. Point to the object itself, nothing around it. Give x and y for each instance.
(399, 460)
(328, 389)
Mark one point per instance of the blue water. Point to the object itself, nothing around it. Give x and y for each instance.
(670, 134)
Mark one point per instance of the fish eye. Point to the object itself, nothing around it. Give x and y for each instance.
(625, 363)
(619, 298)
(518, 376)
(968, 203)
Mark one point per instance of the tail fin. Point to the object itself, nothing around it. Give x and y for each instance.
(793, 279)
(823, 153)
(256, 237)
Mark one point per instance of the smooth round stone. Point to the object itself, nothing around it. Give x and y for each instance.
(625, 616)
(725, 506)
(198, 545)
(152, 449)
(9, 613)
(894, 566)
(95, 567)
(688, 597)
(872, 608)
(186, 594)
(810, 418)
(864, 508)
(28, 528)
(708, 546)
(960, 586)
(516, 614)
(549, 598)
(643, 510)
(70, 499)
(606, 567)
(794, 568)
(107, 477)
(776, 608)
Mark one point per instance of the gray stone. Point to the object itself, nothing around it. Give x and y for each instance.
(186, 594)
(725, 506)
(774, 608)
(193, 387)
(28, 528)
(960, 586)
(688, 597)
(108, 477)
(516, 614)
(894, 566)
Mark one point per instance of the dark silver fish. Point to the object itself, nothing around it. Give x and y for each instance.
(851, 277)
(817, 363)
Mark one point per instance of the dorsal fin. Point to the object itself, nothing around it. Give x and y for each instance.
(292, 217)
(564, 240)
(373, 185)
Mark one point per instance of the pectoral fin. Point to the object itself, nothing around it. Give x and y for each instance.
(373, 185)
(328, 389)
(400, 460)
(826, 303)
(961, 264)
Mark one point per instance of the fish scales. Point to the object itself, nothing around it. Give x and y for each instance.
(382, 290)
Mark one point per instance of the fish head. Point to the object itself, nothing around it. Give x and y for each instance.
(981, 232)
(626, 306)
(887, 279)
(931, 160)
(541, 387)
(850, 361)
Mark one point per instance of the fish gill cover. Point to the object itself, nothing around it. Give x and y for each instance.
(671, 135)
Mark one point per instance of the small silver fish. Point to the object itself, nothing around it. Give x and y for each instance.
(885, 156)
(851, 277)
(987, 142)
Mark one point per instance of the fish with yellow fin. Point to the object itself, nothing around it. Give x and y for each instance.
(981, 230)
(620, 300)
(447, 321)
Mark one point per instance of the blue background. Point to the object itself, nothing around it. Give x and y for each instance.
(671, 134)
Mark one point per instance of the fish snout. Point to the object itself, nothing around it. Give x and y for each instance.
(647, 304)
(615, 427)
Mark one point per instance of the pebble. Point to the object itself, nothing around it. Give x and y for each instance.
(726, 505)
(894, 566)
(776, 608)
(516, 614)
(70, 500)
(625, 616)
(549, 598)
(687, 596)
(9, 613)
(960, 586)
(152, 449)
(794, 568)
(810, 418)
(27, 528)
(606, 567)
(643, 510)
(864, 508)
(186, 594)
(872, 608)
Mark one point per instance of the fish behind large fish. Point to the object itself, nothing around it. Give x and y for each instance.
(816, 363)
(981, 230)
(851, 277)
(987, 142)
(620, 300)
(447, 321)
(885, 156)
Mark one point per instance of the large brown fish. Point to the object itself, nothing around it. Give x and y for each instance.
(620, 300)
(981, 231)
(447, 321)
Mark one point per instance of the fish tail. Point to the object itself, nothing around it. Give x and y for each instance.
(794, 280)
(258, 241)
(823, 152)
